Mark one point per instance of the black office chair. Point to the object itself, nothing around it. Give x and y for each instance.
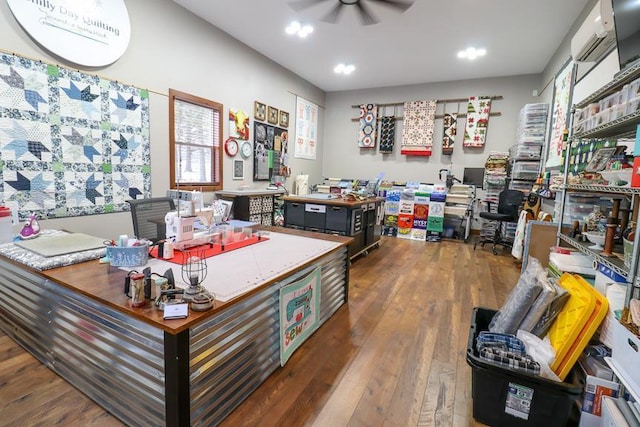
(509, 202)
(148, 217)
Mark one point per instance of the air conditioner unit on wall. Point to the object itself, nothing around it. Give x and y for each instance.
(596, 36)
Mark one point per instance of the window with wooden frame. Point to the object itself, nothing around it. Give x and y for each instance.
(195, 137)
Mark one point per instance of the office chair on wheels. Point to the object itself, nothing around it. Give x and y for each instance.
(508, 210)
(148, 217)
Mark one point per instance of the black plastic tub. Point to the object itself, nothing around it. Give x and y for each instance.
(502, 397)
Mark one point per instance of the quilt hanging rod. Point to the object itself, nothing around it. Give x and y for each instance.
(437, 116)
(438, 101)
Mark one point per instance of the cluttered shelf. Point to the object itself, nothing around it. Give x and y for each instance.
(622, 127)
(621, 79)
(602, 188)
(613, 262)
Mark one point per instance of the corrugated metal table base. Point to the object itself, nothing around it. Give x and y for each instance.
(143, 375)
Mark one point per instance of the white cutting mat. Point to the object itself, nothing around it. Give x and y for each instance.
(236, 272)
(61, 244)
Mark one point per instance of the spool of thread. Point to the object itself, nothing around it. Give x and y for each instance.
(160, 284)
(122, 240)
(168, 250)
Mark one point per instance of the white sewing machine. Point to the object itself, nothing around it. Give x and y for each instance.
(181, 230)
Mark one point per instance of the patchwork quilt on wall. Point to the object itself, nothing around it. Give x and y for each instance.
(417, 133)
(70, 143)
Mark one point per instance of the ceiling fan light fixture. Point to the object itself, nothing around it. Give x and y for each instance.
(471, 53)
(293, 28)
(305, 31)
(345, 69)
(296, 27)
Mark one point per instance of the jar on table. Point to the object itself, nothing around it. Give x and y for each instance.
(596, 220)
(137, 290)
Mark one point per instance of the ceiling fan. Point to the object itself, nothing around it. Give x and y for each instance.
(366, 18)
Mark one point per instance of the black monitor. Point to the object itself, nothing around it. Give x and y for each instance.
(626, 18)
(473, 176)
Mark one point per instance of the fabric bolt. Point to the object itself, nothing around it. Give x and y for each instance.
(493, 339)
(450, 123)
(507, 320)
(540, 306)
(387, 134)
(510, 360)
(419, 123)
(367, 134)
(478, 110)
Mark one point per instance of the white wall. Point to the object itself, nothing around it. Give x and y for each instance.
(171, 48)
(343, 157)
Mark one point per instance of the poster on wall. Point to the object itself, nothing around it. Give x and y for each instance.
(299, 313)
(563, 86)
(70, 143)
(270, 151)
(306, 129)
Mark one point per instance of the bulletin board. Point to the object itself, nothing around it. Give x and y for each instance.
(270, 151)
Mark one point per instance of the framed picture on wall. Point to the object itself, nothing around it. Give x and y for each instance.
(284, 119)
(273, 115)
(259, 111)
(238, 169)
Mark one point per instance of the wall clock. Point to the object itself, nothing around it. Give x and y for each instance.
(231, 147)
(246, 150)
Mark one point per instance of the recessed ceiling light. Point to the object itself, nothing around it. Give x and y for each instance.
(471, 53)
(344, 69)
(301, 30)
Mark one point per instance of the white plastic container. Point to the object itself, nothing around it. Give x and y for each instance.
(6, 233)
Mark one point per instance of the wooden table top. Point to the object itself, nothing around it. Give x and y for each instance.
(336, 201)
(105, 284)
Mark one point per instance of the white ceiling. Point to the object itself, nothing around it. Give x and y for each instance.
(417, 46)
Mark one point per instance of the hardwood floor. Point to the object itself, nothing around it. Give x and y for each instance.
(393, 356)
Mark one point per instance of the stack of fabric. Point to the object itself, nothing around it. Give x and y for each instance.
(506, 350)
(495, 180)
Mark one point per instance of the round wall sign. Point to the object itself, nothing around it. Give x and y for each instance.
(87, 32)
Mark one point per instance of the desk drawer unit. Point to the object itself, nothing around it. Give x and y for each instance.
(337, 219)
(294, 214)
(315, 216)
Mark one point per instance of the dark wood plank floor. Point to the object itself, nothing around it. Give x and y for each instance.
(394, 356)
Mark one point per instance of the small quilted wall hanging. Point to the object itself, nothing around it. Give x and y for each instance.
(70, 143)
(419, 122)
(478, 110)
(450, 123)
(367, 134)
(387, 134)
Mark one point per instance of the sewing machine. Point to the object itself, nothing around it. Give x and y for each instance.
(181, 230)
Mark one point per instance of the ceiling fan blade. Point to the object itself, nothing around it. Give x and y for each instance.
(301, 5)
(396, 4)
(333, 14)
(365, 16)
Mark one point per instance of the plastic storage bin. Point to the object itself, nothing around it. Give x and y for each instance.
(506, 398)
(130, 256)
(576, 323)
(525, 170)
(524, 152)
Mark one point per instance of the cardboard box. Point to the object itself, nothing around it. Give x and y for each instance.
(595, 388)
